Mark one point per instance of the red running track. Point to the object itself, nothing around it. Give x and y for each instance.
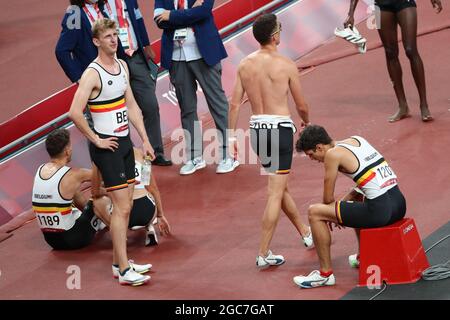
(30, 30)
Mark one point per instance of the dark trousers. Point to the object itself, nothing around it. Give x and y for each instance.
(143, 87)
(184, 76)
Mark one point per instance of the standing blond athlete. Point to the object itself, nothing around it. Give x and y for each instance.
(105, 88)
(267, 77)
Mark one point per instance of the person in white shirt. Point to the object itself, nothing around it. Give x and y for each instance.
(191, 49)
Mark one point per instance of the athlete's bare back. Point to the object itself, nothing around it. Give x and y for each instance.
(267, 77)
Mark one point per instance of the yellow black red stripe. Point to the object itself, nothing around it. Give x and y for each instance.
(97, 103)
(366, 170)
(337, 211)
(106, 106)
(283, 171)
(118, 187)
(366, 178)
(49, 210)
(131, 181)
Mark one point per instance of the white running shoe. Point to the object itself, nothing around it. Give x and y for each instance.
(352, 35)
(308, 240)
(227, 165)
(270, 260)
(132, 278)
(151, 239)
(193, 165)
(139, 268)
(353, 260)
(314, 280)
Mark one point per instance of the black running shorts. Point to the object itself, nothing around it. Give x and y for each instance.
(143, 212)
(394, 5)
(384, 210)
(117, 168)
(79, 236)
(274, 148)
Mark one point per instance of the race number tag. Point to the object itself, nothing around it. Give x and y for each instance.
(57, 220)
(49, 221)
(385, 175)
(120, 119)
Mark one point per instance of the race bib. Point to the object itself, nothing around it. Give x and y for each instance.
(120, 119)
(385, 175)
(56, 221)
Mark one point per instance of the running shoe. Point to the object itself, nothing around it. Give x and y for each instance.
(193, 165)
(139, 268)
(308, 240)
(132, 278)
(314, 280)
(352, 35)
(227, 165)
(353, 260)
(270, 260)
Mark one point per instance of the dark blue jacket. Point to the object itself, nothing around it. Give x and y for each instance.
(201, 19)
(75, 49)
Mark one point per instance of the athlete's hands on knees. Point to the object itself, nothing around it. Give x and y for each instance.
(163, 226)
(350, 21)
(437, 5)
(148, 150)
(108, 143)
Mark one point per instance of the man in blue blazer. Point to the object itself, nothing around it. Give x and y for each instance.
(191, 49)
(75, 51)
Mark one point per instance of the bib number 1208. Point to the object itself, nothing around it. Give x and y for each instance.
(385, 171)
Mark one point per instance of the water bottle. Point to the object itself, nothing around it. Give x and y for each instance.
(146, 171)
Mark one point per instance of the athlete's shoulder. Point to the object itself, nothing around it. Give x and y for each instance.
(79, 174)
(90, 71)
(334, 155)
(90, 75)
(123, 63)
(287, 64)
(247, 60)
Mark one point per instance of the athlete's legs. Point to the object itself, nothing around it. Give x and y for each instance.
(291, 211)
(357, 232)
(101, 209)
(356, 197)
(407, 19)
(319, 215)
(388, 35)
(276, 187)
(122, 203)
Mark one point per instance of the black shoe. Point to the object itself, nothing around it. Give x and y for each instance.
(160, 160)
